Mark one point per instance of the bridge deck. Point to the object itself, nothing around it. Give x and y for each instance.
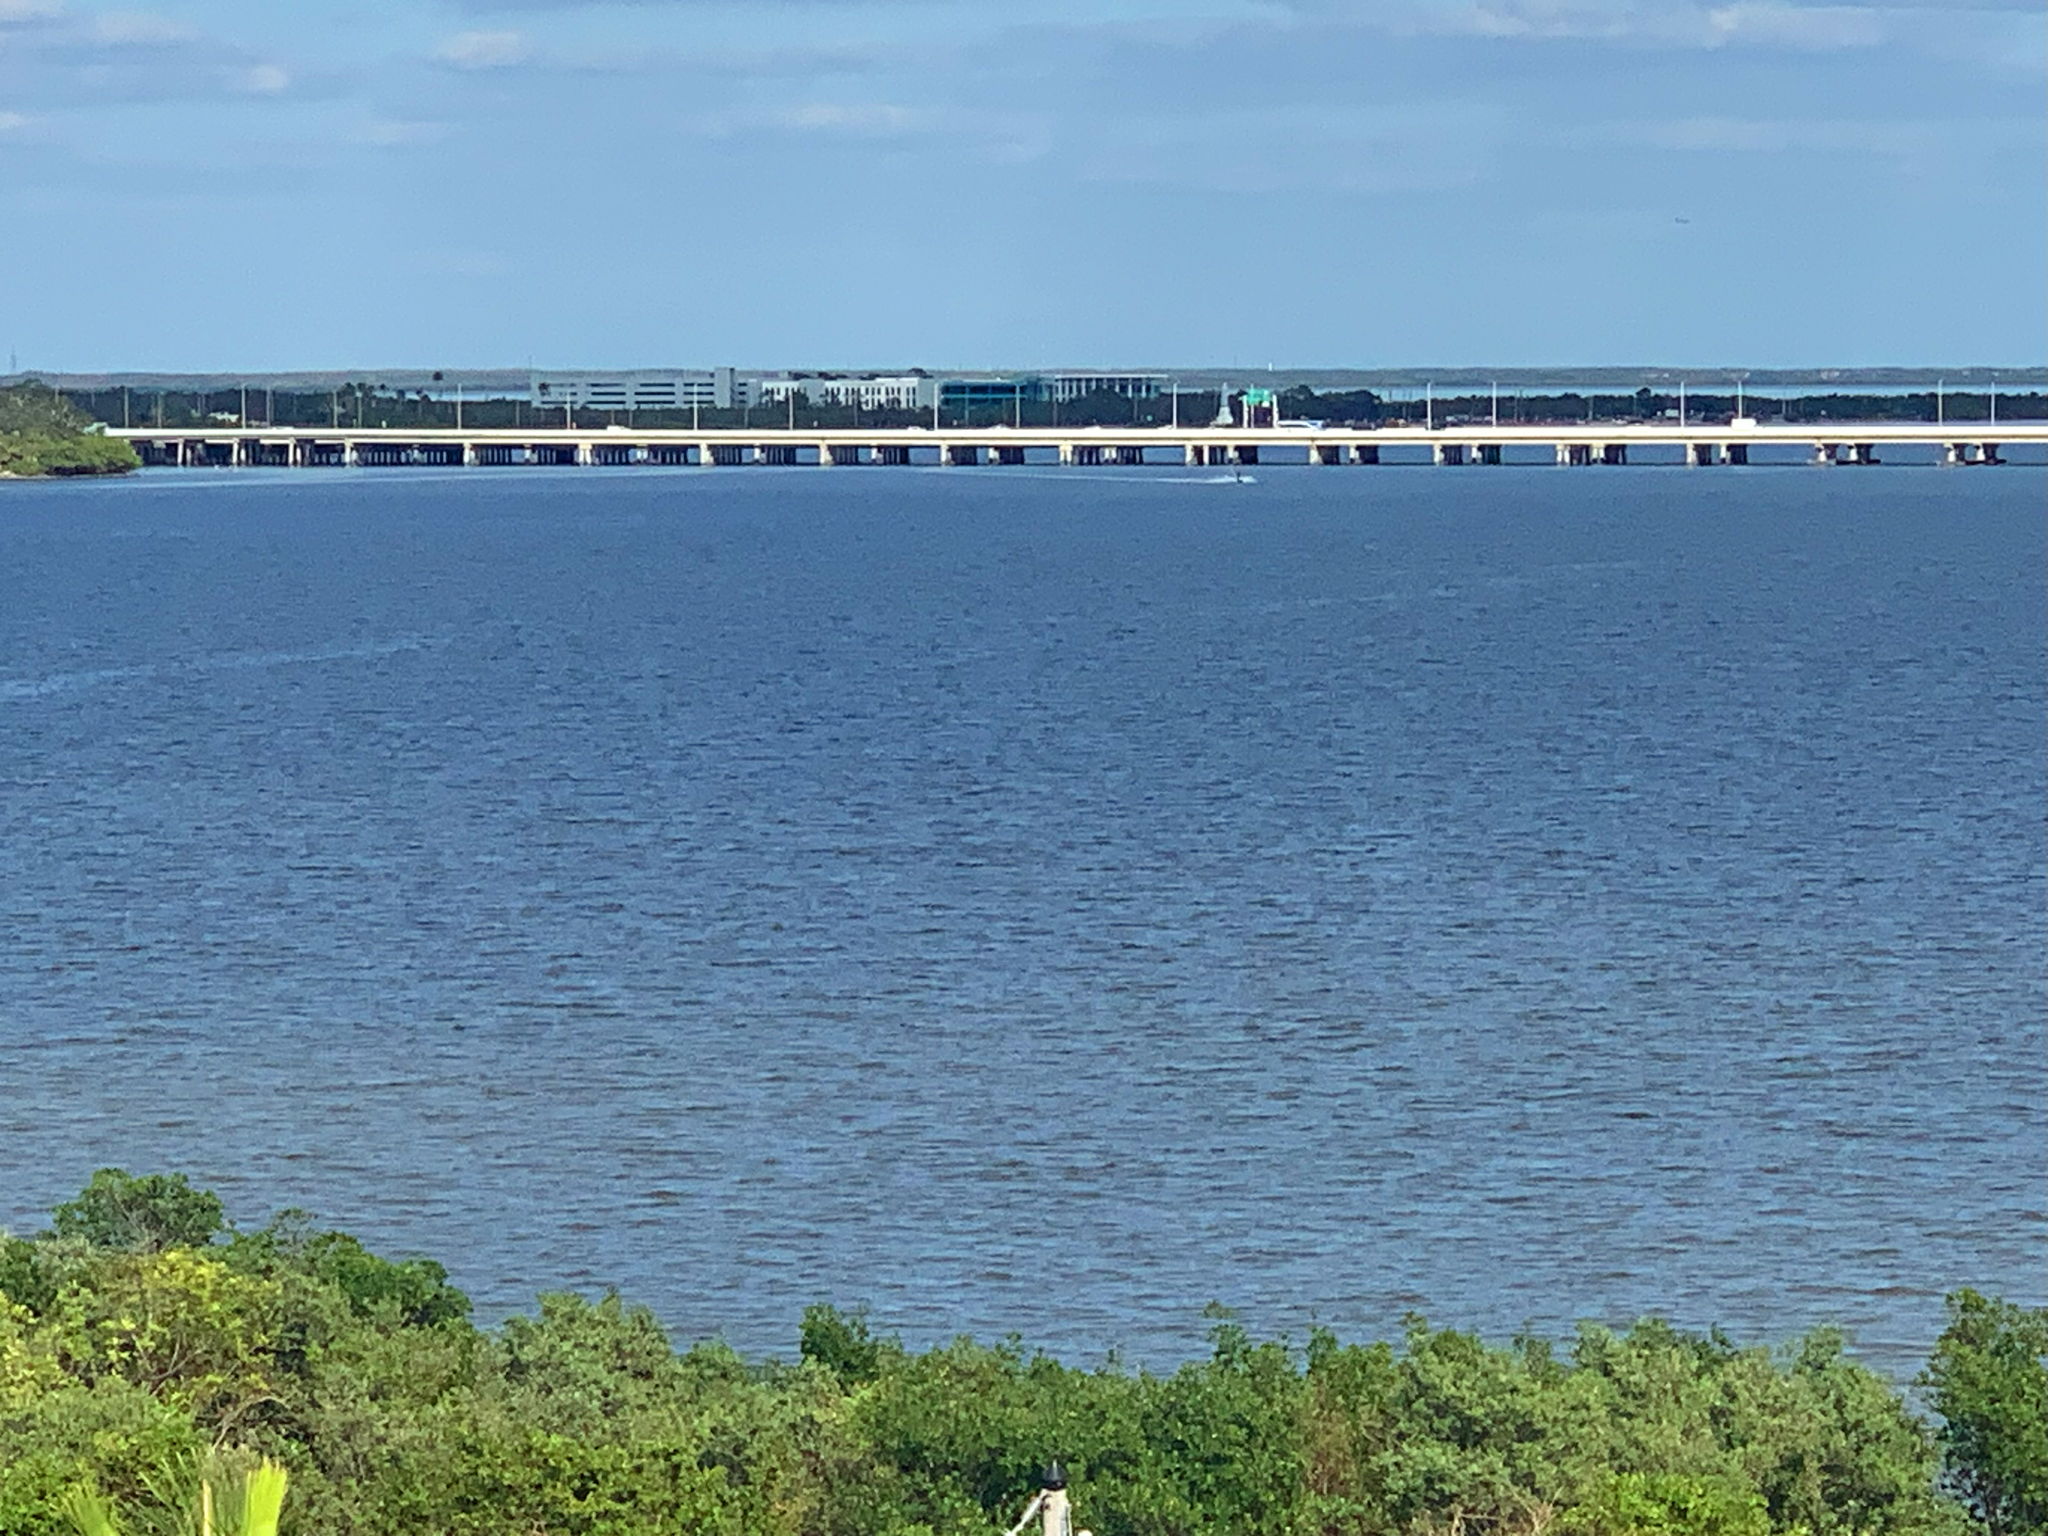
(1610, 443)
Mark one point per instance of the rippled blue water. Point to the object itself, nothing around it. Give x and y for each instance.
(1049, 902)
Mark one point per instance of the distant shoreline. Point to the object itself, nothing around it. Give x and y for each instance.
(1193, 377)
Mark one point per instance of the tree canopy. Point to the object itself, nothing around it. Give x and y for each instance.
(142, 1333)
(43, 433)
(1989, 1381)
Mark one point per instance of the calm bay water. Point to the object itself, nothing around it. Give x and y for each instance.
(1050, 902)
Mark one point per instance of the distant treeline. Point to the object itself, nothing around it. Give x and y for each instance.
(367, 404)
(43, 433)
(140, 1330)
(1365, 408)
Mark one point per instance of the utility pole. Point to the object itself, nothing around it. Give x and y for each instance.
(1429, 406)
(1496, 402)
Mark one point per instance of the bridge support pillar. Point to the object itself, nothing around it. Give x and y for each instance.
(1826, 453)
(1447, 453)
(1574, 453)
(1486, 453)
(1245, 453)
(1365, 453)
(1735, 453)
(1697, 454)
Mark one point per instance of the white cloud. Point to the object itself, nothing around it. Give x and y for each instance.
(483, 50)
(264, 80)
(12, 11)
(1799, 26)
(1738, 135)
(1665, 23)
(142, 29)
(394, 133)
(13, 122)
(869, 120)
(1364, 149)
(1901, 138)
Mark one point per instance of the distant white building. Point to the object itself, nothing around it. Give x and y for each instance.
(874, 392)
(1074, 386)
(1011, 390)
(709, 388)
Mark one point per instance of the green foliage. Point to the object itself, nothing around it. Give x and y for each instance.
(841, 1343)
(413, 1292)
(1670, 1504)
(33, 407)
(1989, 1381)
(111, 1436)
(138, 1336)
(143, 1215)
(190, 1496)
(42, 433)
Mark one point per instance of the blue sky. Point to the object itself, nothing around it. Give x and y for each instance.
(227, 184)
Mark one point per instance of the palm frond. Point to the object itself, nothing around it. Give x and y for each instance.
(90, 1513)
(262, 1499)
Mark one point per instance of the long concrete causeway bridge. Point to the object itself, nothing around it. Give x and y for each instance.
(1592, 443)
